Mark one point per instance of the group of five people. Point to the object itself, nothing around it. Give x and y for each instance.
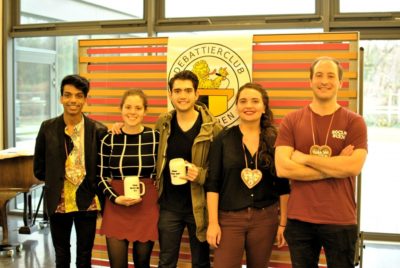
(236, 198)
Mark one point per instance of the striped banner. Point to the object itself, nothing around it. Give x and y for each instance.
(281, 64)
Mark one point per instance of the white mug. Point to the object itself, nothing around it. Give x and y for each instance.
(177, 169)
(133, 188)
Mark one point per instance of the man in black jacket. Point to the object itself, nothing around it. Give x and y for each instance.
(65, 158)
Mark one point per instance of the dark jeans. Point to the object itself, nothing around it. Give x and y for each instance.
(85, 227)
(305, 241)
(170, 229)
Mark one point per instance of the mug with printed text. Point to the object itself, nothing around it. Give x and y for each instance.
(133, 188)
(177, 168)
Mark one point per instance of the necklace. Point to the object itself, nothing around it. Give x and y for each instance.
(324, 150)
(250, 177)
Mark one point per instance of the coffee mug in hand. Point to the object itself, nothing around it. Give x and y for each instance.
(133, 188)
(177, 169)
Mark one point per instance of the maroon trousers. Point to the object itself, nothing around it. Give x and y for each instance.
(252, 230)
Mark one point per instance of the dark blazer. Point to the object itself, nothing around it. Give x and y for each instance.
(50, 157)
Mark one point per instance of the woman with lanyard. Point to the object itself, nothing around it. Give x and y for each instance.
(244, 196)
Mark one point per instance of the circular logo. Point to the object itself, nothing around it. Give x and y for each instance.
(221, 71)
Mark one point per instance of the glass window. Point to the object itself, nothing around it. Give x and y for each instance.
(211, 8)
(50, 59)
(43, 43)
(32, 95)
(378, 254)
(359, 6)
(264, 31)
(380, 179)
(36, 96)
(40, 11)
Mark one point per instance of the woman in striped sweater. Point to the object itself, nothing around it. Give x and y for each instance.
(131, 153)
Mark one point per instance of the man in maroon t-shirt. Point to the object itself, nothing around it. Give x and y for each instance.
(322, 148)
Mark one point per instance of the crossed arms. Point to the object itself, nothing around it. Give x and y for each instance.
(296, 165)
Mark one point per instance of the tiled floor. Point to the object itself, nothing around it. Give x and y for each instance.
(37, 248)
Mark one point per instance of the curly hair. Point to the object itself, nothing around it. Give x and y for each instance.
(268, 131)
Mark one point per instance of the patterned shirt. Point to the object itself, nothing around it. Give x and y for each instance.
(126, 155)
(74, 170)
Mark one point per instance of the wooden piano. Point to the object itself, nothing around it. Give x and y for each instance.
(16, 176)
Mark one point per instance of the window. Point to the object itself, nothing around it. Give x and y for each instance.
(210, 8)
(359, 6)
(380, 180)
(39, 11)
(233, 32)
(41, 63)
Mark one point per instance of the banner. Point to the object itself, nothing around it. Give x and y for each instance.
(222, 66)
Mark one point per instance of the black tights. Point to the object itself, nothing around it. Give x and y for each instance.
(118, 253)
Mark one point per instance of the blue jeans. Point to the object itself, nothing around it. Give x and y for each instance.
(305, 241)
(85, 227)
(170, 229)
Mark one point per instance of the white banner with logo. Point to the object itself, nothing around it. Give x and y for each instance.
(222, 64)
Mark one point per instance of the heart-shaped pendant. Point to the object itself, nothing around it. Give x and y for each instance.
(322, 151)
(251, 177)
